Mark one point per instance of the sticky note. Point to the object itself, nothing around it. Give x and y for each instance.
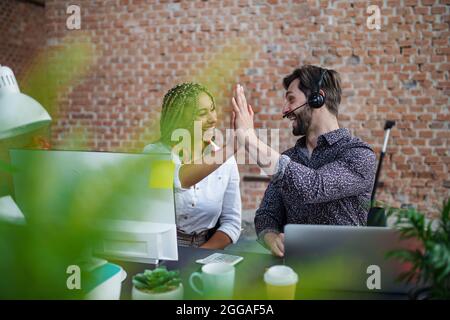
(161, 174)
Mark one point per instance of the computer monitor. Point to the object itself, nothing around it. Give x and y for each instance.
(130, 197)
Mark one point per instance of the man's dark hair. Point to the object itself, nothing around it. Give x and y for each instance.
(309, 76)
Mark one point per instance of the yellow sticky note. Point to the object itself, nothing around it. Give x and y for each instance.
(161, 174)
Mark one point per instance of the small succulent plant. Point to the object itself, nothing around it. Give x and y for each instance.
(157, 281)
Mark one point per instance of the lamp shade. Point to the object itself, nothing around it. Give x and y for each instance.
(19, 113)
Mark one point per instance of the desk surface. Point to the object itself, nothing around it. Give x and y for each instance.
(249, 284)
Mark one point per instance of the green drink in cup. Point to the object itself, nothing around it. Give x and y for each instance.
(281, 282)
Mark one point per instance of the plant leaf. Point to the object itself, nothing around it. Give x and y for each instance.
(4, 166)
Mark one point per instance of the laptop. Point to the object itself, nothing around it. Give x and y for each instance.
(349, 258)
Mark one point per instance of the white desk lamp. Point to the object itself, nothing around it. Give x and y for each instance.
(19, 114)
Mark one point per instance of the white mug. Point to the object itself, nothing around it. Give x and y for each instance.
(217, 281)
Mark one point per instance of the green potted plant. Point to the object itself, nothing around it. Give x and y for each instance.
(157, 284)
(430, 267)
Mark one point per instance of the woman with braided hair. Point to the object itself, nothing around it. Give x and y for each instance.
(208, 212)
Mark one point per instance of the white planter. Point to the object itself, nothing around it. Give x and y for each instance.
(176, 294)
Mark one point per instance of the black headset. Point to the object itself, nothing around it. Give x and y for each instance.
(316, 99)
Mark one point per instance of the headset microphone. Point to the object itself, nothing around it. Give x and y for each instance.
(287, 114)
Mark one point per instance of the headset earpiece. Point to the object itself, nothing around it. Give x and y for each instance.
(316, 99)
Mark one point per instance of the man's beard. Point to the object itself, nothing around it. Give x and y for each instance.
(302, 123)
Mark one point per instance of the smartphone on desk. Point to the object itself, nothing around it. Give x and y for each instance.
(221, 257)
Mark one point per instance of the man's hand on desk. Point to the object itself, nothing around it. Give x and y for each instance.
(275, 242)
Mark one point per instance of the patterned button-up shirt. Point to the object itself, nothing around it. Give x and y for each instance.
(330, 186)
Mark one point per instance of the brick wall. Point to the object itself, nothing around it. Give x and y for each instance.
(400, 72)
(22, 34)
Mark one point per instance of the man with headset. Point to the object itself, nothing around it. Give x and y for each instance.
(327, 177)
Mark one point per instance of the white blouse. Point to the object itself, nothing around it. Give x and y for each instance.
(216, 198)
